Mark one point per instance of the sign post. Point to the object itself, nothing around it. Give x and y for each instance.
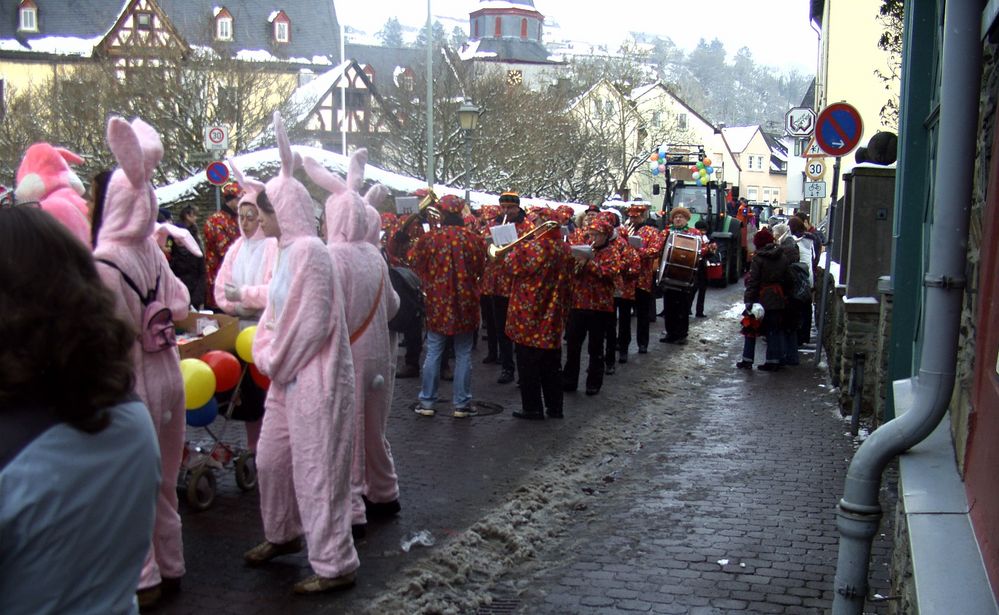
(837, 132)
(799, 122)
(217, 143)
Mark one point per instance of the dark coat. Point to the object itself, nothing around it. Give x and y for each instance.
(769, 281)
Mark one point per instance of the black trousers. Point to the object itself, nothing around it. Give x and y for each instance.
(500, 305)
(676, 304)
(489, 323)
(540, 379)
(413, 338)
(624, 308)
(583, 324)
(700, 288)
(645, 309)
(610, 335)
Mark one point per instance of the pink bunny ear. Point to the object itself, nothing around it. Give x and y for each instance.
(245, 182)
(323, 178)
(180, 235)
(127, 151)
(375, 195)
(152, 146)
(284, 146)
(69, 156)
(355, 172)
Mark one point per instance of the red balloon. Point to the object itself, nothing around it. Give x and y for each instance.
(262, 381)
(226, 368)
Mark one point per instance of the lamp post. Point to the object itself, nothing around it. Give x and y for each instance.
(468, 116)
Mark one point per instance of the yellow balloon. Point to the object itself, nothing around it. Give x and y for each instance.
(707, 162)
(199, 382)
(244, 343)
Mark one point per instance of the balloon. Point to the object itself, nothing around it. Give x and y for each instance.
(203, 416)
(653, 158)
(225, 367)
(702, 173)
(707, 162)
(700, 165)
(709, 169)
(262, 381)
(244, 343)
(655, 170)
(662, 168)
(695, 174)
(199, 382)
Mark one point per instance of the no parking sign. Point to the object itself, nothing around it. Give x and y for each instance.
(838, 129)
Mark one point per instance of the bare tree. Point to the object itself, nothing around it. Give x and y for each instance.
(891, 17)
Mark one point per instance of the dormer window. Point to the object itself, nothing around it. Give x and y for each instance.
(223, 25)
(143, 20)
(28, 17)
(282, 26)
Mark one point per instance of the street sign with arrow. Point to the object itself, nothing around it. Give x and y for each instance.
(838, 129)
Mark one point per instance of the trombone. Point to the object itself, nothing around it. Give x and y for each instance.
(494, 252)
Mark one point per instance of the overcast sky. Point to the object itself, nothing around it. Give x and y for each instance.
(776, 31)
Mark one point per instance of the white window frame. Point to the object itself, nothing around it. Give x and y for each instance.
(752, 193)
(139, 25)
(27, 19)
(223, 29)
(681, 121)
(657, 119)
(282, 28)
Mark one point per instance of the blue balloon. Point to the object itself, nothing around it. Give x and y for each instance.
(710, 170)
(203, 416)
(655, 170)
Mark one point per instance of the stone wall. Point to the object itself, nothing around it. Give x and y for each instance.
(859, 329)
(903, 589)
(879, 370)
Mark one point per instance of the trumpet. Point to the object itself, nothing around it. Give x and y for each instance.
(494, 252)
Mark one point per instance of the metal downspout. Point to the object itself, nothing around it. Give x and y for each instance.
(859, 511)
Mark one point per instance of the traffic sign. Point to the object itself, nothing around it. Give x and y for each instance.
(838, 129)
(812, 150)
(815, 168)
(216, 138)
(815, 190)
(799, 122)
(218, 173)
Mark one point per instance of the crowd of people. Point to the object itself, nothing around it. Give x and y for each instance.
(85, 302)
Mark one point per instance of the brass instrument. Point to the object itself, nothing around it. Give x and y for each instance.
(427, 207)
(494, 252)
(580, 264)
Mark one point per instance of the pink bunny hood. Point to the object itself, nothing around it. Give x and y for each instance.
(130, 205)
(292, 202)
(346, 219)
(44, 176)
(251, 189)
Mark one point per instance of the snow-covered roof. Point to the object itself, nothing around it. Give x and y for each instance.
(264, 164)
(273, 16)
(738, 137)
(505, 5)
(58, 45)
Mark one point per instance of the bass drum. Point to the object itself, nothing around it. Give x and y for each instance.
(681, 256)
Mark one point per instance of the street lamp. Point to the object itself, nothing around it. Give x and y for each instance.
(468, 116)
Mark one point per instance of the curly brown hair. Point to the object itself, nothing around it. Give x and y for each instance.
(63, 347)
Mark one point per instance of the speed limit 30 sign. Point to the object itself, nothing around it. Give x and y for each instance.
(815, 169)
(216, 138)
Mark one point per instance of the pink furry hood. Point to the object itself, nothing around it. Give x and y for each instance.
(44, 176)
(292, 202)
(251, 189)
(130, 205)
(346, 215)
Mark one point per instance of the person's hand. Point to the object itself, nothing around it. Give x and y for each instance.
(232, 293)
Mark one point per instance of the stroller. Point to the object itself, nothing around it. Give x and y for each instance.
(203, 458)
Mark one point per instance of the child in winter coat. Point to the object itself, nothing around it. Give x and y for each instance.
(768, 284)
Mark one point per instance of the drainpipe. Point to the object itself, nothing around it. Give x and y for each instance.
(859, 511)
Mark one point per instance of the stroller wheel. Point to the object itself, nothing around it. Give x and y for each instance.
(246, 471)
(201, 488)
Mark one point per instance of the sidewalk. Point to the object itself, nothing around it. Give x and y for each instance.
(685, 486)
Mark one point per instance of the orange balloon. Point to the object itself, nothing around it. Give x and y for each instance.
(707, 162)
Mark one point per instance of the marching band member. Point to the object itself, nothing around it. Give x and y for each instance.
(649, 253)
(541, 270)
(592, 307)
(512, 213)
(449, 260)
(624, 299)
(676, 301)
(487, 288)
(400, 243)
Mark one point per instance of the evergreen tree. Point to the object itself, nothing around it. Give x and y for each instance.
(391, 33)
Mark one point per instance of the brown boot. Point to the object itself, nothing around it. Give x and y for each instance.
(317, 584)
(266, 551)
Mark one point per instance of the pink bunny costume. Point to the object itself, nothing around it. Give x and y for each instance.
(247, 265)
(126, 239)
(302, 343)
(44, 176)
(369, 303)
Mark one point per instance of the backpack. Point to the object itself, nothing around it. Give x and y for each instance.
(801, 290)
(156, 323)
(411, 309)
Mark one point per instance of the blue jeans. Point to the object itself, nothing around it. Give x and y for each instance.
(430, 374)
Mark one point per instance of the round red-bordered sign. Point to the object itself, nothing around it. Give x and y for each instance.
(838, 129)
(216, 135)
(218, 173)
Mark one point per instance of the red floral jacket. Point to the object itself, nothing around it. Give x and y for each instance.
(541, 270)
(221, 229)
(650, 253)
(631, 267)
(594, 285)
(449, 261)
(502, 283)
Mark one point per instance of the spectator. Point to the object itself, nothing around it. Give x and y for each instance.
(767, 284)
(79, 462)
(187, 266)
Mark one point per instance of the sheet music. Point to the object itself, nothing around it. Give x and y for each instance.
(583, 250)
(503, 233)
(636, 241)
(406, 204)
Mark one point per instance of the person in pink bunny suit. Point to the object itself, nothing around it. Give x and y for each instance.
(241, 290)
(303, 345)
(126, 247)
(44, 177)
(369, 303)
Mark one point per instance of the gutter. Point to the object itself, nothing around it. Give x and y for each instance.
(859, 511)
